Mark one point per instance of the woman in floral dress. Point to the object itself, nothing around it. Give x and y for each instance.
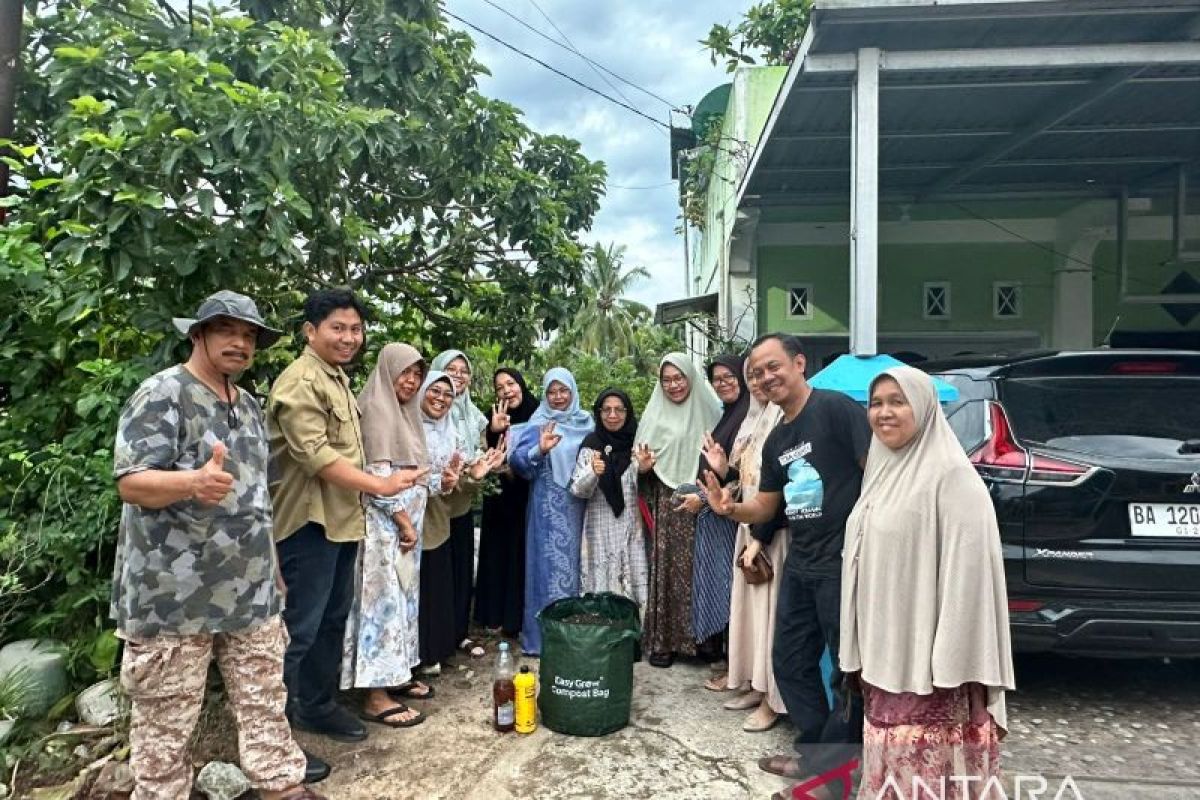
(381, 644)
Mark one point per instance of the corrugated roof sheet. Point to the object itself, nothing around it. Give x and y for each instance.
(934, 121)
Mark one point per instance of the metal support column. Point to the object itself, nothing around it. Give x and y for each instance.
(864, 205)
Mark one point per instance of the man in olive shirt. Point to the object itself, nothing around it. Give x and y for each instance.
(316, 482)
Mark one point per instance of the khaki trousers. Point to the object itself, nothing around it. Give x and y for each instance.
(164, 677)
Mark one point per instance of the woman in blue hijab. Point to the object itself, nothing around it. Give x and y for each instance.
(544, 454)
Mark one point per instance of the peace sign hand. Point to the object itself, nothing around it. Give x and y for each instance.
(714, 454)
(548, 439)
(645, 457)
(500, 420)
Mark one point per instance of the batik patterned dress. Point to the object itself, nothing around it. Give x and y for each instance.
(553, 529)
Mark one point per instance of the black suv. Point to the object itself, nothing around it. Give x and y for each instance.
(1093, 463)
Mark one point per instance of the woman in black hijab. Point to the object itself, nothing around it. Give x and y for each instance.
(613, 555)
(500, 581)
(712, 579)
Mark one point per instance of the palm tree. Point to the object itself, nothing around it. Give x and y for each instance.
(605, 323)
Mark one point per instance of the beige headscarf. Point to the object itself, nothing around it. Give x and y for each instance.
(392, 431)
(924, 603)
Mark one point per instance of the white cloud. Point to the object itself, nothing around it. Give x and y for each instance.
(654, 43)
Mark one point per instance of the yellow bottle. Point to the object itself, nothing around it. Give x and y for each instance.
(526, 706)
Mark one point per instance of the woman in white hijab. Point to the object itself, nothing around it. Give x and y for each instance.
(682, 409)
(468, 423)
(924, 616)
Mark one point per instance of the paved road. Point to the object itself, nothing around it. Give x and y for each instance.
(1121, 729)
(1124, 729)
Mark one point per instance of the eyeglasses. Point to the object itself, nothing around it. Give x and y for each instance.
(231, 418)
(613, 412)
(440, 394)
(457, 372)
(676, 381)
(724, 379)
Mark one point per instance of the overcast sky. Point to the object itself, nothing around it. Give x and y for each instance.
(653, 43)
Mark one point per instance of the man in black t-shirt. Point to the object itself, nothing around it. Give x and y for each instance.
(812, 465)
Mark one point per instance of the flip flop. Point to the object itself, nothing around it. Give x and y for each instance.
(469, 647)
(383, 717)
(410, 691)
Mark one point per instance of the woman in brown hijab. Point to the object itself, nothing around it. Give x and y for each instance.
(924, 617)
(380, 649)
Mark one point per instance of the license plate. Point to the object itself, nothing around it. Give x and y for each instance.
(1164, 519)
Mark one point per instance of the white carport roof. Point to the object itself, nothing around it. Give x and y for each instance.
(989, 99)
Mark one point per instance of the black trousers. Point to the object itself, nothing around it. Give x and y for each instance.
(807, 620)
(462, 564)
(320, 580)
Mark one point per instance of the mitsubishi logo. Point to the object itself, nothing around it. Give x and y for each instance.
(1194, 486)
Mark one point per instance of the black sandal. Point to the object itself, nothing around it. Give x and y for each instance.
(661, 660)
(409, 691)
(384, 717)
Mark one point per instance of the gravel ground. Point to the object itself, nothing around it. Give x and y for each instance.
(1120, 729)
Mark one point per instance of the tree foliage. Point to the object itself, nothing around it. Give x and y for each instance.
(272, 149)
(606, 319)
(770, 31)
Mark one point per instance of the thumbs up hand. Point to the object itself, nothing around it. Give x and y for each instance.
(211, 482)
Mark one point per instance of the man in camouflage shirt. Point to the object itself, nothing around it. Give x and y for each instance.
(196, 573)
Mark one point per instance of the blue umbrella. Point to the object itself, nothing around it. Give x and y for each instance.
(852, 375)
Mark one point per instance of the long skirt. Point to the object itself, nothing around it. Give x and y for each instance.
(462, 564)
(668, 626)
(713, 573)
(380, 647)
(911, 742)
(752, 621)
(500, 576)
(437, 606)
(552, 541)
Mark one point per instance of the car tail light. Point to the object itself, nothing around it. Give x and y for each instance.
(1046, 470)
(1025, 606)
(1145, 367)
(1000, 457)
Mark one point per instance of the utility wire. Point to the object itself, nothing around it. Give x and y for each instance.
(674, 107)
(556, 71)
(575, 50)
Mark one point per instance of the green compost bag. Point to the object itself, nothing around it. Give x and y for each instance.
(589, 645)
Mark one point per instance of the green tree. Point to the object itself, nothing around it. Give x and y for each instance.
(606, 319)
(770, 31)
(289, 146)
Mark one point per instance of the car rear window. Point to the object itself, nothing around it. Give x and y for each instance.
(1142, 415)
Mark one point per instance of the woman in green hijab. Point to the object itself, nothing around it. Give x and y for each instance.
(681, 410)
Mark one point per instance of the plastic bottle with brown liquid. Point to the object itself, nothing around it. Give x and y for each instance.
(504, 694)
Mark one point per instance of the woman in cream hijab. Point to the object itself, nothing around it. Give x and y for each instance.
(752, 607)
(681, 410)
(924, 614)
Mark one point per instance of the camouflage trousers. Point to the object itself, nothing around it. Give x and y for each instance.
(165, 676)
